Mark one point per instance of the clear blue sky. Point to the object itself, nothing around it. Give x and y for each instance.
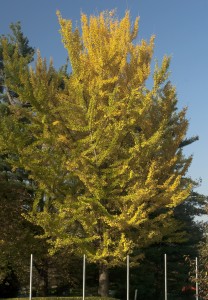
(181, 29)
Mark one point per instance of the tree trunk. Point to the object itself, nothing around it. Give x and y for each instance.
(103, 289)
(43, 287)
(43, 278)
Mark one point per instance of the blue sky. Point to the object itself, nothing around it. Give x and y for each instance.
(181, 29)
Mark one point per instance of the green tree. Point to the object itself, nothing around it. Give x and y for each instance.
(18, 236)
(103, 149)
(16, 190)
(14, 194)
(17, 41)
(202, 261)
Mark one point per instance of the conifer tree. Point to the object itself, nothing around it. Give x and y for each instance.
(16, 192)
(21, 43)
(18, 236)
(103, 148)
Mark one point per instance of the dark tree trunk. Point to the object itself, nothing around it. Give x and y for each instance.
(103, 289)
(44, 283)
(43, 278)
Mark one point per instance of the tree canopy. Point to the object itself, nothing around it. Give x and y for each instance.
(103, 148)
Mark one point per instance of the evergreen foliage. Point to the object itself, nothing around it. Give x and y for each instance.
(17, 41)
(18, 236)
(202, 263)
(15, 188)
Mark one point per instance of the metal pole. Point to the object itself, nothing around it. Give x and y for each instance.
(165, 261)
(135, 294)
(31, 266)
(127, 295)
(197, 284)
(84, 271)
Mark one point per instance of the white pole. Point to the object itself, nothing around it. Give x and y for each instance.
(127, 295)
(165, 261)
(31, 266)
(197, 284)
(84, 271)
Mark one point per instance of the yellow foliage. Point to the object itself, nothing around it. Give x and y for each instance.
(102, 146)
(56, 122)
(62, 138)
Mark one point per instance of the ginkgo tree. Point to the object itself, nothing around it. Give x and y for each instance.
(102, 146)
